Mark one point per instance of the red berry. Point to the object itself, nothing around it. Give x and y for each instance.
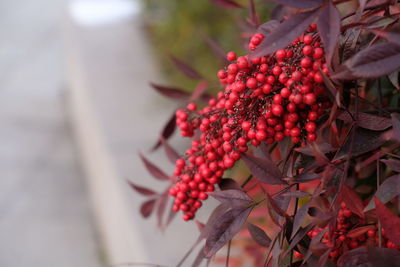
(231, 56)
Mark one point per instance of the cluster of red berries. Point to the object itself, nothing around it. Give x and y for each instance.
(265, 99)
(343, 239)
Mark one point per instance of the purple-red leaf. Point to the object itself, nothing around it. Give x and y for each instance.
(306, 177)
(229, 183)
(225, 228)
(213, 218)
(388, 190)
(169, 151)
(268, 27)
(153, 169)
(299, 218)
(329, 29)
(393, 164)
(199, 90)
(369, 257)
(389, 221)
(372, 62)
(142, 190)
(147, 208)
(216, 48)
(356, 232)
(227, 3)
(298, 237)
(303, 4)
(167, 131)
(259, 235)
(285, 33)
(367, 121)
(185, 68)
(393, 37)
(171, 92)
(253, 14)
(396, 125)
(232, 197)
(352, 200)
(264, 169)
(296, 194)
(162, 203)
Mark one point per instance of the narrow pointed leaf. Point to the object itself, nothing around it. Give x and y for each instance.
(393, 37)
(185, 68)
(216, 48)
(199, 90)
(369, 257)
(352, 200)
(169, 151)
(303, 4)
(298, 237)
(168, 130)
(147, 208)
(232, 197)
(306, 177)
(264, 169)
(153, 169)
(259, 235)
(388, 190)
(142, 190)
(224, 229)
(393, 164)
(170, 92)
(285, 33)
(161, 207)
(396, 125)
(356, 232)
(390, 221)
(367, 121)
(329, 28)
(299, 218)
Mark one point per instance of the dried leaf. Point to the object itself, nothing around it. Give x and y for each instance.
(264, 169)
(142, 190)
(259, 235)
(185, 68)
(329, 29)
(147, 208)
(232, 197)
(225, 228)
(392, 164)
(303, 4)
(169, 151)
(171, 92)
(153, 169)
(227, 3)
(389, 221)
(372, 62)
(229, 183)
(285, 33)
(367, 121)
(388, 190)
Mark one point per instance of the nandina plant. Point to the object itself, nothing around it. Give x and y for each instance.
(312, 111)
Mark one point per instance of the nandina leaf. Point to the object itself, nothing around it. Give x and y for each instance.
(334, 93)
(213, 218)
(171, 215)
(264, 169)
(369, 257)
(356, 232)
(396, 125)
(372, 62)
(364, 141)
(275, 206)
(393, 37)
(268, 27)
(229, 183)
(296, 194)
(185, 68)
(303, 4)
(376, 3)
(253, 14)
(142, 190)
(389, 221)
(259, 235)
(199, 258)
(367, 121)
(169, 151)
(216, 48)
(329, 29)
(153, 169)
(227, 3)
(299, 218)
(393, 164)
(199, 90)
(147, 208)
(285, 33)
(394, 79)
(171, 92)
(352, 200)
(298, 237)
(161, 205)
(306, 177)
(232, 197)
(168, 130)
(225, 228)
(309, 151)
(388, 190)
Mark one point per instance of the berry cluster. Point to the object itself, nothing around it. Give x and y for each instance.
(265, 99)
(343, 239)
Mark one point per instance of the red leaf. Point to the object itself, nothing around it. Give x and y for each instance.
(356, 232)
(392, 164)
(147, 208)
(227, 3)
(352, 200)
(153, 169)
(264, 169)
(367, 121)
(388, 190)
(142, 190)
(225, 228)
(168, 130)
(185, 68)
(232, 197)
(372, 62)
(370, 257)
(171, 92)
(396, 125)
(212, 219)
(306, 177)
(303, 4)
(259, 235)
(390, 222)
(229, 183)
(329, 29)
(285, 33)
(169, 151)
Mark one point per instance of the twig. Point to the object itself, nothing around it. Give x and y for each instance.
(228, 253)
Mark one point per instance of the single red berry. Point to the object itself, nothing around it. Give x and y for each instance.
(231, 56)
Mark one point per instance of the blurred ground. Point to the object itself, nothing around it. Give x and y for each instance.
(45, 218)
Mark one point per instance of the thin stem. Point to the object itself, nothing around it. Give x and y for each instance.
(228, 253)
(248, 179)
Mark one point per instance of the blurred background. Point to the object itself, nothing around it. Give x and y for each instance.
(76, 109)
